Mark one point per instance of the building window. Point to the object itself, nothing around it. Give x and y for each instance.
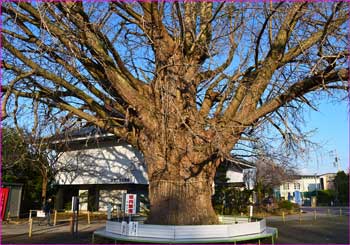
(286, 186)
(296, 186)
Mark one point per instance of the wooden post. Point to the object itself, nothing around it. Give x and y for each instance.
(88, 217)
(340, 213)
(55, 218)
(30, 228)
(283, 218)
(30, 215)
(300, 216)
(8, 216)
(71, 225)
(315, 214)
(328, 211)
(241, 214)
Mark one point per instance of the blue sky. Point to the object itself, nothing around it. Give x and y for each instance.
(332, 124)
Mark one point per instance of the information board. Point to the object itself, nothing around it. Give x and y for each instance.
(130, 203)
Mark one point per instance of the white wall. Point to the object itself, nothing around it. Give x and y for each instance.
(105, 165)
(246, 176)
(234, 176)
(306, 184)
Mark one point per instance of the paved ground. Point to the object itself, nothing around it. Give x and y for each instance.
(308, 213)
(59, 234)
(325, 229)
(331, 210)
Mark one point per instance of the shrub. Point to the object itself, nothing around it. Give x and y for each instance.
(284, 204)
(231, 200)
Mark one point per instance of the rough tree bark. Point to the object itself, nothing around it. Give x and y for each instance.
(176, 80)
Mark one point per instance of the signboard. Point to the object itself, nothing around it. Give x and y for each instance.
(124, 228)
(40, 214)
(133, 228)
(130, 203)
(4, 193)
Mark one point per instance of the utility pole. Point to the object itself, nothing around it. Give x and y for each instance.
(336, 160)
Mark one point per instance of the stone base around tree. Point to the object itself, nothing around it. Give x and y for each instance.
(232, 229)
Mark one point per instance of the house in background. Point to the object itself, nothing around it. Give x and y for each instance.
(100, 168)
(238, 172)
(305, 183)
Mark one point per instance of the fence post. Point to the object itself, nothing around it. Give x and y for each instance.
(283, 218)
(8, 216)
(30, 227)
(340, 213)
(55, 218)
(300, 215)
(328, 212)
(88, 217)
(30, 215)
(315, 214)
(71, 225)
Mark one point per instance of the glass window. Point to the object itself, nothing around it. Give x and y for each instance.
(286, 186)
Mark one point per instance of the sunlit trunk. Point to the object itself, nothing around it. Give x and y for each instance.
(181, 202)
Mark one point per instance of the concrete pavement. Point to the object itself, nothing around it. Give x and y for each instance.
(308, 213)
(332, 210)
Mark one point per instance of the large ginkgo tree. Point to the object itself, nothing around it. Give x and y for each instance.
(181, 81)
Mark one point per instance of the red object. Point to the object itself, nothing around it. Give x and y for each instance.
(130, 203)
(4, 193)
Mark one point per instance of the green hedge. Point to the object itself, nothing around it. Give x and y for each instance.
(287, 205)
(324, 197)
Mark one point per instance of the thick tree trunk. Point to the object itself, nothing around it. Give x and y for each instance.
(180, 192)
(179, 157)
(181, 202)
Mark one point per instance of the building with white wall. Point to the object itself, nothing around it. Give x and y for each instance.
(100, 168)
(305, 183)
(239, 173)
